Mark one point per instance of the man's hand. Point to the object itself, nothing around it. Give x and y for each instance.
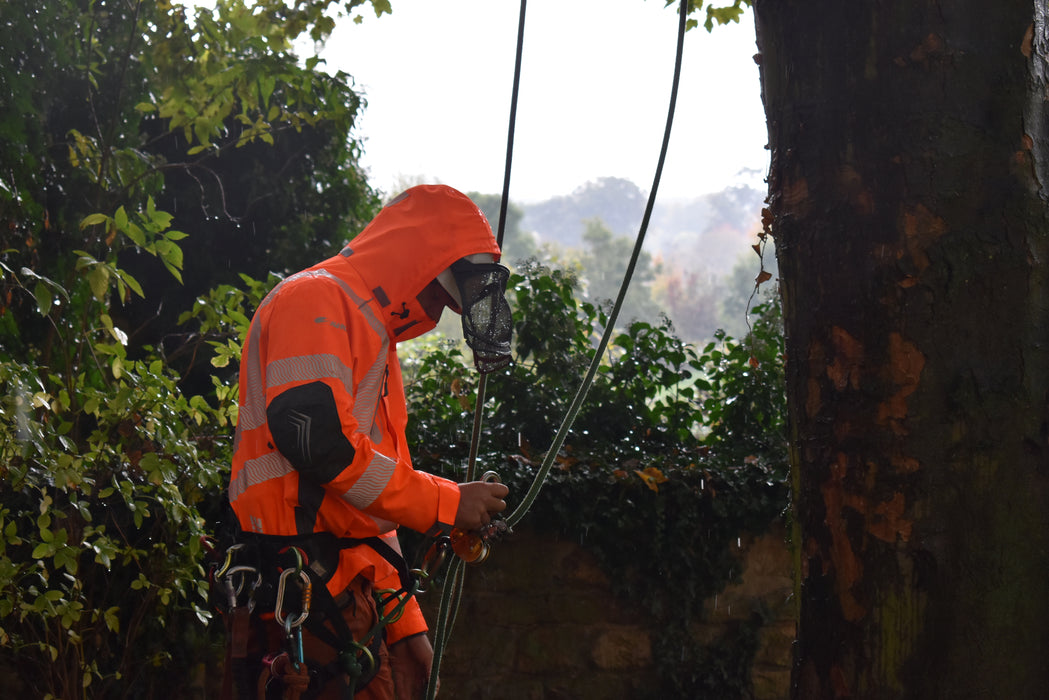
(478, 501)
(410, 660)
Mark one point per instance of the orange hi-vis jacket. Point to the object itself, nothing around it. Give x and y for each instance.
(320, 443)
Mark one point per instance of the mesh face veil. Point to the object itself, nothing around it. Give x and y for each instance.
(487, 321)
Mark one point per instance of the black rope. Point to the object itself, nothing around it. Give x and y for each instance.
(504, 205)
(577, 402)
(454, 583)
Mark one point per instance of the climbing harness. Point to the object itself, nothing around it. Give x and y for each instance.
(283, 579)
(454, 584)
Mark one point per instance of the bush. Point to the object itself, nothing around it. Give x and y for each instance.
(108, 472)
(112, 469)
(675, 455)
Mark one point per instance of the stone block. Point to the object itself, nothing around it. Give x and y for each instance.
(552, 649)
(771, 684)
(622, 648)
(775, 645)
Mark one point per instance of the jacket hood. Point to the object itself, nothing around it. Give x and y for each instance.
(412, 240)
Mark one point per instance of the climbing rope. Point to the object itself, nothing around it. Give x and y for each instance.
(452, 593)
(577, 402)
(504, 204)
(451, 596)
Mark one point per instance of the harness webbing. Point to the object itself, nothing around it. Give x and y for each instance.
(454, 584)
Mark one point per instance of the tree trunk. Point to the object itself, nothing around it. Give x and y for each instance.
(908, 203)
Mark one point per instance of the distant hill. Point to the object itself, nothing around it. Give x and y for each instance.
(709, 232)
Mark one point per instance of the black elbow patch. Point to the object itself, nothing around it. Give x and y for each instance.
(305, 425)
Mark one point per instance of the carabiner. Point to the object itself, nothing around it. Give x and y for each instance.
(307, 593)
(228, 561)
(234, 589)
(435, 557)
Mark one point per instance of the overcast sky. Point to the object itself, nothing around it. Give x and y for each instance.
(595, 86)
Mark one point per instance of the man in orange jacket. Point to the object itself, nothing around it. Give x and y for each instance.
(320, 442)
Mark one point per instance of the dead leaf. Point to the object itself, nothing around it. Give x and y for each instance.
(652, 477)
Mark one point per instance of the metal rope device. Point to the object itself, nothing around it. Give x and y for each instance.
(452, 593)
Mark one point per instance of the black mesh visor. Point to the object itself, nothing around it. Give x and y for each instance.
(487, 321)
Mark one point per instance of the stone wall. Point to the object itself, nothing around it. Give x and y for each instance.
(538, 620)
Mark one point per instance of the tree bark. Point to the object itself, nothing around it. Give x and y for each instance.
(909, 204)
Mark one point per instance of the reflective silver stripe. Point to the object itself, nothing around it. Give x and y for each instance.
(253, 410)
(374, 479)
(385, 526)
(255, 471)
(307, 367)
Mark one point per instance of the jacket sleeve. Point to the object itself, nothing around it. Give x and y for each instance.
(326, 376)
(411, 621)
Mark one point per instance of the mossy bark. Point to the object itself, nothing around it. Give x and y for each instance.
(908, 202)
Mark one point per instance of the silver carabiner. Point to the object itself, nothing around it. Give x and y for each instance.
(234, 584)
(307, 594)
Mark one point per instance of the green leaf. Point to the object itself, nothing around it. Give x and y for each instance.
(43, 298)
(131, 282)
(112, 618)
(170, 253)
(120, 219)
(93, 219)
(98, 279)
(135, 233)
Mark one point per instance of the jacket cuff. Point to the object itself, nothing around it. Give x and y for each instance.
(409, 624)
(447, 506)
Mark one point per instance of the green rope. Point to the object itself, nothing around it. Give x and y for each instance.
(445, 620)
